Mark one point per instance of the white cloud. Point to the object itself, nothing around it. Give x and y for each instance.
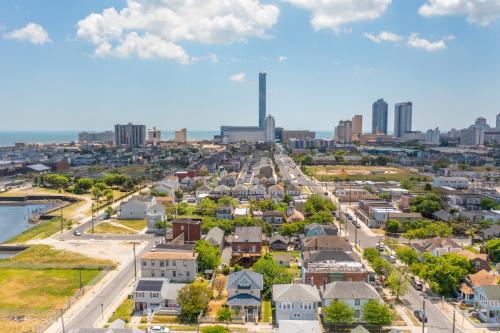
(240, 77)
(333, 14)
(211, 57)
(169, 22)
(282, 59)
(421, 43)
(32, 32)
(481, 12)
(384, 36)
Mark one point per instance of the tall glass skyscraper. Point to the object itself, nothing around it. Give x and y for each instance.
(379, 116)
(262, 100)
(402, 118)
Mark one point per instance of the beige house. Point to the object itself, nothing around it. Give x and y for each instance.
(177, 266)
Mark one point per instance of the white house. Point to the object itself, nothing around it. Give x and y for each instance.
(154, 213)
(453, 182)
(135, 208)
(296, 301)
(488, 303)
(157, 293)
(353, 293)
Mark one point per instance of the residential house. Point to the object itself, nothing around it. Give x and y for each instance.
(278, 243)
(472, 281)
(276, 192)
(186, 231)
(135, 208)
(453, 182)
(296, 301)
(244, 290)
(155, 213)
(321, 273)
(247, 244)
(283, 259)
(151, 293)
(353, 293)
(240, 191)
(327, 242)
(437, 246)
(225, 212)
(273, 217)
(204, 190)
(491, 232)
(293, 215)
(487, 300)
(258, 192)
(316, 229)
(328, 256)
(293, 190)
(221, 191)
(479, 261)
(215, 237)
(299, 326)
(177, 266)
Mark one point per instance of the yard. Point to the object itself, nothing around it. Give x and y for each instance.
(267, 312)
(108, 228)
(340, 173)
(138, 225)
(124, 311)
(38, 282)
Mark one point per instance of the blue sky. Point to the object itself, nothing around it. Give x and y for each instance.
(171, 65)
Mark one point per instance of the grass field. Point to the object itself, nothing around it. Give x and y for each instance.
(108, 228)
(35, 294)
(267, 312)
(41, 230)
(124, 311)
(47, 255)
(339, 173)
(138, 225)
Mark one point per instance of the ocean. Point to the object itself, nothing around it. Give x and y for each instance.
(9, 138)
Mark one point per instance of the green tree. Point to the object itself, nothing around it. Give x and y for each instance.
(393, 226)
(321, 217)
(316, 204)
(193, 299)
(338, 312)
(83, 185)
(375, 313)
(56, 181)
(208, 255)
(427, 187)
(441, 163)
(207, 207)
(407, 255)
(272, 272)
(287, 198)
(291, 229)
(428, 207)
(371, 254)
(493, 249)
(228, 201)
(381, 267)
(225, 315)
(211, 222)
(488, 203)
(397, 282)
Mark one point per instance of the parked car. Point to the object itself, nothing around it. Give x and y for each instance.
(159, 329)
(420, 315)
(416, 284)
(390, 258)
(380, 247)
(77, 233)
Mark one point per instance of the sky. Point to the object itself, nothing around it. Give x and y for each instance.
(88, 64)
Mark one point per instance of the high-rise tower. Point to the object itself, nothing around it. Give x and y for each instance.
(262, 99)
(379, 117)
(402, 118)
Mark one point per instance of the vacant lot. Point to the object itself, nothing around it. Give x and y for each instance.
(38, 282)
(42, 230)
(352, 173)
(109, 228)
(137, 225)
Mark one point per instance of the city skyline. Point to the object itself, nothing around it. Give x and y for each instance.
(65, 72)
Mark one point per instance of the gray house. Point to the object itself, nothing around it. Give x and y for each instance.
(296, 301)
(244, 290)
(157, 293)
(215, 237)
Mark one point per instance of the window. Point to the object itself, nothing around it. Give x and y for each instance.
(296, 316)
(357, 313)
(144, 263)
(162, 273)
(162, 263)
(185, 263)
(152, 262)
(187, 273)
(174, 273)
(152, 273)
(357, 301)
(174, 263)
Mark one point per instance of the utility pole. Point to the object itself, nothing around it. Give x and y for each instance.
(92, 217)
(62, 321)
(81, 282)
(62, 221)
(135, 265)
(453, 331)
(423, 319)
(102, 311)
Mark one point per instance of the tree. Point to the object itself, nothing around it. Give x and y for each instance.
(407, 255)
(316, 204)
(109, 211)
(193, 299)
(397, 282)
(441, 163)
(207, 207)
(375, 313)
(321, 217)
(228, 201)
(338, 312)
(287, 198)
(428, 207)
(393, 226)
(55, 180)
(208, 255)
(488, 203)
(381, 267)
(178, 195)
(83, 185)
(182, 208)
(225, 315)
(493, 249)
(290, 229)
(427, 187)
(214, 329)
(272, 272)
(371, 254)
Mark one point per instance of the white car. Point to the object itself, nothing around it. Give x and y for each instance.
(159, 329)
